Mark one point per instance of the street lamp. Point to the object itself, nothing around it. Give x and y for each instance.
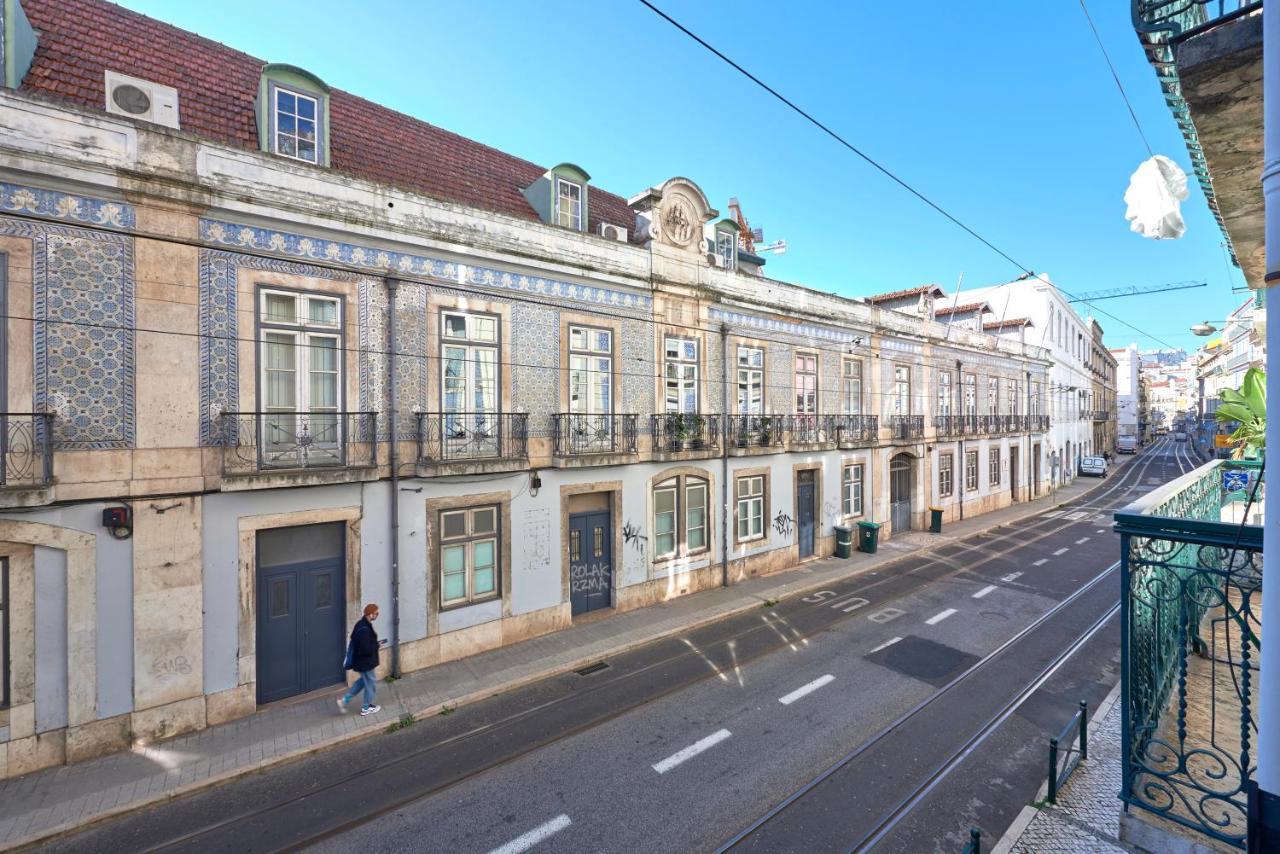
(1203, 329)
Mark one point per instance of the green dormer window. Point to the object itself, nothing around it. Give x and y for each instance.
(293, 114)
(560, 196)
(568, 204)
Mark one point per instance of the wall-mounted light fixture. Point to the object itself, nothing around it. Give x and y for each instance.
(535, 483)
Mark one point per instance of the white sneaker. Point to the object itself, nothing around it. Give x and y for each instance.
(342, 706)
(370, 710)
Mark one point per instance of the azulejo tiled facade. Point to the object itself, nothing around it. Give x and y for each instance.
(411, 344)
(65, 207)
(84, 337)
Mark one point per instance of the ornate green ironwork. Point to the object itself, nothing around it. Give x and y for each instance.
(1192, 588)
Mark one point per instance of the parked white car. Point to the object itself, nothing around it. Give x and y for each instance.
(1093, 466)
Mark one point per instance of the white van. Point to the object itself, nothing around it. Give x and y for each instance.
(1093, 466)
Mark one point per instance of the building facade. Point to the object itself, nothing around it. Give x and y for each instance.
(273, 352)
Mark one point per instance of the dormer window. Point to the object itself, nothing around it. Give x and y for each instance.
(568, 204)
(727, 249)
(293, 114)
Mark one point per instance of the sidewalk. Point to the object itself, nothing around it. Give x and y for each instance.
(58, 800)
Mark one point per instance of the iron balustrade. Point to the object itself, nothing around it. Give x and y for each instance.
(907, 426)
(756, 431)
(1101, 415)
(1191, 627)
(445, 437)
(682, 431)
(577, 434)
(1037, 423)
(854, 429)
(959, 425)
(805, 428)
(1180, 19)
(26, 450)
(254, 442)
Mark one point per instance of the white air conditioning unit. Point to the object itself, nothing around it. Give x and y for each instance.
(715, 260)
(141, 99)
(613, 232)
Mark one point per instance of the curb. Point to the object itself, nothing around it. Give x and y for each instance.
(802, 588)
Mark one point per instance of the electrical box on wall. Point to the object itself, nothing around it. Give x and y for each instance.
(118, 521)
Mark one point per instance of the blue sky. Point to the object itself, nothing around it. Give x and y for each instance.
(1002, 111)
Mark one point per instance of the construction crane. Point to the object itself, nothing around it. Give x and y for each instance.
(1135, 290)
(747, 236)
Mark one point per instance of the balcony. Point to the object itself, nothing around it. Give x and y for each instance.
(580, 435)
(487, 441)
(906, 426)
(809, 429)
(678, 432)
(1191, 642)
(26, 450)
(255, 443)
(1037, 423)
(758, 432)
(1100, 415)
(852, 431)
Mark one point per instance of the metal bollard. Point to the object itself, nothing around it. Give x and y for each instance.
(1084, 730)
(1053, 770)
(975, 840)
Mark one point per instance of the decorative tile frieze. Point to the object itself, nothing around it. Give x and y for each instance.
(66, 207)
(384, 260)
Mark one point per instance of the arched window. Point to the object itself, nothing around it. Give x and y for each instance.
(681, 526)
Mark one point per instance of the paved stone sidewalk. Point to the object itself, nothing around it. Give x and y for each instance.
(53, 801)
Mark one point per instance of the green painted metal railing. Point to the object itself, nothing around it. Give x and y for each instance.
(1190, 642)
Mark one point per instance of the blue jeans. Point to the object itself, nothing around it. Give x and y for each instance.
(367, 681)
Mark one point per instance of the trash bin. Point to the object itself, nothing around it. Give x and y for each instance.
(935, 520)
(868, 537)
(844, 541)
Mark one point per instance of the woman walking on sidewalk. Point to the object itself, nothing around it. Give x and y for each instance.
(362, 657)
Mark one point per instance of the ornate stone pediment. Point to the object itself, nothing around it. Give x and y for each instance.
(674, 213)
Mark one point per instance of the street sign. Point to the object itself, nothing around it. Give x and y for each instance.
(1235, 481)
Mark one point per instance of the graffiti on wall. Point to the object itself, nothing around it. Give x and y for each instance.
(783, 524)
(537, 539)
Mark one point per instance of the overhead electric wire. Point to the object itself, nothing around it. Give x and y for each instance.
(879, 166)
(1116, 77)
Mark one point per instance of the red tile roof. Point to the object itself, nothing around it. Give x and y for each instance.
(1013, 321)
(962, 309)
(217, 87)
(932, 290)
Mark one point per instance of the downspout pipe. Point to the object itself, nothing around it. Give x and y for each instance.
(393, 432)
(724, 455)
(1264, 802)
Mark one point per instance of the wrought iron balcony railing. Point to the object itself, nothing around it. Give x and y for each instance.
(958, 425)
(756, 431)
(26, 450)
(804, 428)
(1191, 640)
(1037, 423)
(255, 442)
(445, 437)
(850, 430)
(1180, 19)
(907, 426)
(1101, 415)
(684, 431)
(577, 434)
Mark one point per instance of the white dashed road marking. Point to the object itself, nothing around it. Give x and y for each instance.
(691, 751)
(1099, 531)
(806, 689)
(1061, 551)
(939, 617)
(533, 837)
(984, 591)
(890, 642)
(1082, 541)
(1013, 576)
(1041, 562)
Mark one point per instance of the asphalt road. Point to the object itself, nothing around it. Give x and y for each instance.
(686, 743)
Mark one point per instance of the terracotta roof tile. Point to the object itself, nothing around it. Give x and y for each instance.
(1013, 321)
(933, 290)
(962, 309)
(217, 87)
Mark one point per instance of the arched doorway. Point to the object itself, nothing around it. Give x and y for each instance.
(901, 478)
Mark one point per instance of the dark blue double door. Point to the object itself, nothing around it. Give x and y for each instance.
(301, 633)
(806, 511)
(590, 562)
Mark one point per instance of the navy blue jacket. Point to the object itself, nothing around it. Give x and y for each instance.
(364, 647)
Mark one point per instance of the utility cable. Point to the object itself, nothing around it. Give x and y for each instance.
(1116, 77)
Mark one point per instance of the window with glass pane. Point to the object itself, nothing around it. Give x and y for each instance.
(993, 395)
(901, 390)
(680, 522)
(296, 122)
(300, 360)
(681, 373)
(944, 393)
(468, 555)
(851, 386)
(1035, 399)
(970, 395)
(664, 521)
(993, 467)
(590, 370)
(695, 515)
(750, 381)
(971, 471)
(469, 379)
(1015, 405)
(851, 489)
(750, 507)
(727, 248)
(569, 204)
(945, 465)
(806, 383)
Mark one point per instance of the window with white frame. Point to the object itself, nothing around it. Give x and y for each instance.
(750, 514)
(944, 393)
(681, 374)
(851, 386)
(750, 381)
(993, 466)
(300, 359)
(590, 370)
(296, 122)
(569, 204)
(727, 249)
(970, 395)
(901, 390)
(971, 471)
(1015, 405)
(946, 484)
(680, 521)
(469, 374)
(1035, 399)
(993, 395)
(806, 384)
(469, 542)
(851, 489)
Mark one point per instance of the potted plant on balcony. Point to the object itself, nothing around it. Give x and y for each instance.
(695, 431)
(677, 431)
(1247, 406)
(766, 430)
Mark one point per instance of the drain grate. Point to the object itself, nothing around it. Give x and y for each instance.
(592, 668)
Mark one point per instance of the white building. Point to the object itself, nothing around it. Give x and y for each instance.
(1129, 413)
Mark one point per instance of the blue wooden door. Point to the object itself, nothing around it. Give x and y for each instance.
(805, 513)
(301, 628)
(590, 562)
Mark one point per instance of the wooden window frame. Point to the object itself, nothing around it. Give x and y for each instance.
(468, 540)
